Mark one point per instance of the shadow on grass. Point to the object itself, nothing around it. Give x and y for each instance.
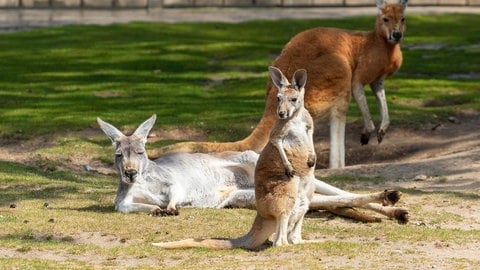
(462, 195)
(95, 209)
(20, 182)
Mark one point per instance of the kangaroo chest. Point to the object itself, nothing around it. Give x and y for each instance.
(298, 145)
(297, 136)
(377, 63)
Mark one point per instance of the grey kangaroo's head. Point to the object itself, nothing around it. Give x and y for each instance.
(391, 20)
(290, 95)
(130, 156)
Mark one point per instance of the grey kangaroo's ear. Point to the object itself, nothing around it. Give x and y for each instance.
(277, 77)
(143, 130)
(299, 79)
(112, 132)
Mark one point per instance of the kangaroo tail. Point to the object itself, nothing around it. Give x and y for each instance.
(254, 239)
(192, 243)
(205, 147)
(255, 141)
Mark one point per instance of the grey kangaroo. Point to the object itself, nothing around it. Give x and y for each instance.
(215, 180)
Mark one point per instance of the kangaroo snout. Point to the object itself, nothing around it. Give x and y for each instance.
(396, 36)
(283, 114)
(131, 174)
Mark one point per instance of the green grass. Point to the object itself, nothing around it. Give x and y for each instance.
(203, 75)
(54, 82)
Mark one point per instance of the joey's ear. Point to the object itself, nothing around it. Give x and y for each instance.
(403, 2)
(143, 130)
(381, 3)
(299, 79)
(112, 132)
(277, 77)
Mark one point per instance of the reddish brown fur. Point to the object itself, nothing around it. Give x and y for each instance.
(336, 60)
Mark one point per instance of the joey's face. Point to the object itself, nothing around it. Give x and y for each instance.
(130, 158)
(288, 101)
(391, 21)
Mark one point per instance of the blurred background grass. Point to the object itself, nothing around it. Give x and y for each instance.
(208, 76)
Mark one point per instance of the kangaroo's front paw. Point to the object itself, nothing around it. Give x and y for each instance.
(289, 171)
(312, 159)
(158, 212)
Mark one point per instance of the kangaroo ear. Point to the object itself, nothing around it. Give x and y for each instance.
(112, 132)
(403, 2)
(143, 130)
(299, 79)
(277, 77)
(381, 3)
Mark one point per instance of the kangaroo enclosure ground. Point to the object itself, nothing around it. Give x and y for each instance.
(436, 167)
(206, 82)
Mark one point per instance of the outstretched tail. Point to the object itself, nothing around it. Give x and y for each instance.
(248, 143)
(192, 243)
(254, 239)
(255, 141)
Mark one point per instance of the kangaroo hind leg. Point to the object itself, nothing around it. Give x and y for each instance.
(282, 230)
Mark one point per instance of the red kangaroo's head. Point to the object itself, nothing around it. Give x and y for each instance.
(391, 20)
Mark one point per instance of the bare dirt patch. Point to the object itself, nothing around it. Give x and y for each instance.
(442, 156)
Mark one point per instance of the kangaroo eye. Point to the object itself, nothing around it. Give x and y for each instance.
(385, 20)
(403, 19)
(294, 100)
(278, 99)
(118, 154)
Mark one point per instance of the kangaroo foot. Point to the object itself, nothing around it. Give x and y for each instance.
(401, 215)
(380, 135)
(391, 197)
(365, 138)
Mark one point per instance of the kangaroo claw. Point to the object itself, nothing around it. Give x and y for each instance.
(164, 212)
(364, 138)
(380, 135)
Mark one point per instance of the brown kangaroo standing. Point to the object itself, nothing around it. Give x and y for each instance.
(339, 63)
(284, 179)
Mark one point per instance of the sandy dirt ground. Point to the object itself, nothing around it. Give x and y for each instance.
(448, 149)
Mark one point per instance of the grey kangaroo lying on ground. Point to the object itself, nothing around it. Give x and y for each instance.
(214, 180)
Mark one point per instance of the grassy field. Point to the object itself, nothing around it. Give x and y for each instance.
(54, 82)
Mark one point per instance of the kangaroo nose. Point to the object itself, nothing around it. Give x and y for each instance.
(397, 35)
(282, 114)
(131, 174)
